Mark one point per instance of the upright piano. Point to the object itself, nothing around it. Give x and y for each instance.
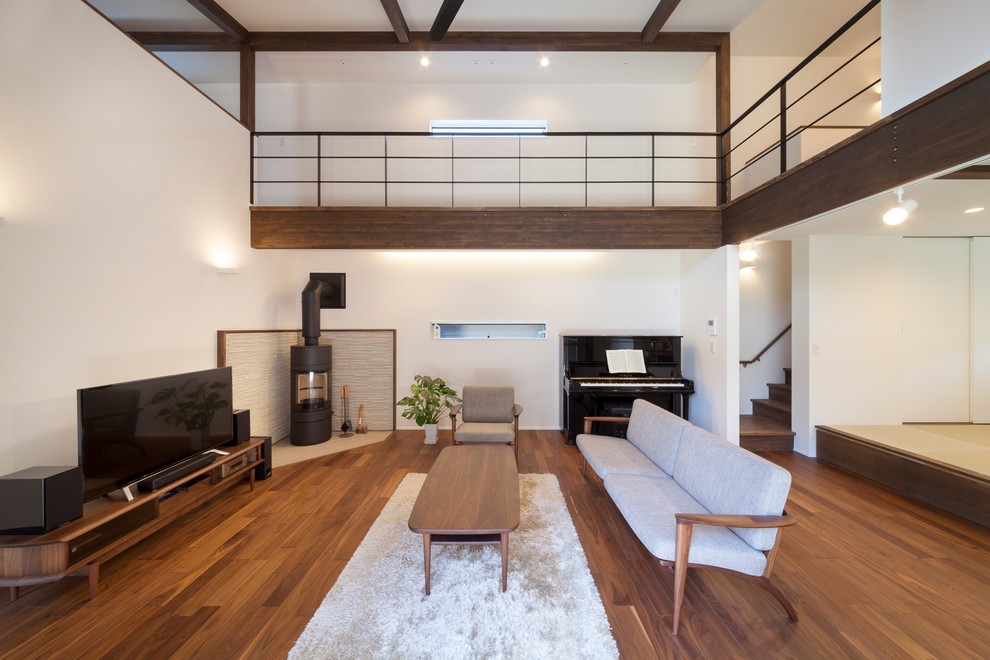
(603, 374)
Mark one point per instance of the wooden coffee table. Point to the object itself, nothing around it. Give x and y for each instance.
(470, 497)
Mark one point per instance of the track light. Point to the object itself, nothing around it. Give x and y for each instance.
(899, 213)
(748, 253)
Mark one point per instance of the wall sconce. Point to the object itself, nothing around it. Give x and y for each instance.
(899, 213)
(229, 271)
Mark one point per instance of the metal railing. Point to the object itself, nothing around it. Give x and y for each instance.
(660, 169)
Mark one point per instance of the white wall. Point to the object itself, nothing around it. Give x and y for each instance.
(847, 303)
(710, 291)
(764, 310)
(936, 345)
(593, 292)
(927, 44)
(566, 107)
(120, 185)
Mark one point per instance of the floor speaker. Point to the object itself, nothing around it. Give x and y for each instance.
(242, 426)
(39, 499)
(264, 470)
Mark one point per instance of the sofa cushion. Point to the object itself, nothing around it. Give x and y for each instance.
(607, 455)
(648, 504)
(485, 432)
(487, 403)
(655, 432)
(729, 480)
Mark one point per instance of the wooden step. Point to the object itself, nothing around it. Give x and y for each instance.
(780, 392)
(761, 434)
(787, 375)
(772, 410)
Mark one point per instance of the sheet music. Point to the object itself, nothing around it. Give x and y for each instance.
(626, 361)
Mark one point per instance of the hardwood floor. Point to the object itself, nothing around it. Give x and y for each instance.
(871, 573)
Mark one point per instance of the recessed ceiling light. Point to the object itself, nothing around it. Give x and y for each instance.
(975, 209)
(544, 61)
(425, 61)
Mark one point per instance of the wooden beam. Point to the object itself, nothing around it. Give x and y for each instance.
(683, 42)
(659, 18)
(723, 117)
(186, 41)
(247, 113)
(397, 20)
(413, 228)
(941, 130)
(223, 20)
(448, 10)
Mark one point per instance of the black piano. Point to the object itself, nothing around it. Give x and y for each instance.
(603, 374)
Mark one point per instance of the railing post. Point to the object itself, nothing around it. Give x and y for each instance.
(783, 127)
(253, 139)
(319, 170)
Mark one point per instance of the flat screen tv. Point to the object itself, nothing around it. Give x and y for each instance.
(130, 430)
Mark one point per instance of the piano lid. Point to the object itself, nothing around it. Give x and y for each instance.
(587, 355)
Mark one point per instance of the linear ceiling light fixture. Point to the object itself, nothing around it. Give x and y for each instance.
(899, 213)
(488, 126)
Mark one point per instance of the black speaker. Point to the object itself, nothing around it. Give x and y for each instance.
(242, 426)
(264, 470)
(39, 499)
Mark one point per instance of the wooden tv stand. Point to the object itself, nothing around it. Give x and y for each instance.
(110, 524)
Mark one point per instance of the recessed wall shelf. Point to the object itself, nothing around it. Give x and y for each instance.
(462, 330)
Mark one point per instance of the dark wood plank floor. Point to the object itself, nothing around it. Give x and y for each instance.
(871, 573)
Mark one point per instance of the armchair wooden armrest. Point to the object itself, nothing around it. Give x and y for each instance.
(454, 409)
(516, 410)
(588, 421)
(784, 520)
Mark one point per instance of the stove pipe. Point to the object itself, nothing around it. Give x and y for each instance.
(311, 311)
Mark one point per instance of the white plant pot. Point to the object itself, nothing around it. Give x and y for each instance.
(431, 433)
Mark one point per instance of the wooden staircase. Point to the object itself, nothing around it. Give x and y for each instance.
(769, 427)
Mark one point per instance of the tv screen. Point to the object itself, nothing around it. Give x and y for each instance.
(130, 430)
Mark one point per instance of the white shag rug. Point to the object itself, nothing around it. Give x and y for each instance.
(378, 607)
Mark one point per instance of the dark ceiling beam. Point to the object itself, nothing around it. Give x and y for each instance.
(186, 41)
(448, 10)
(219, 16)
(685, 42)
(397, 20)
(446, 228)
(659, 18)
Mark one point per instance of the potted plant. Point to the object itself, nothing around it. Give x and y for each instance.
(429, 398)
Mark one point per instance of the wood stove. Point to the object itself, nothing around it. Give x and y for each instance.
(309, 376)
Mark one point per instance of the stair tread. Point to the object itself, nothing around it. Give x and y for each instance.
(770, 403)
(753, 425)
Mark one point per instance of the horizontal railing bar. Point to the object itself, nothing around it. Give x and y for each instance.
(711, 134)
(514, 182)
(379, 157)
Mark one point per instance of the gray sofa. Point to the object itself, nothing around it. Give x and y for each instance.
(692, 498)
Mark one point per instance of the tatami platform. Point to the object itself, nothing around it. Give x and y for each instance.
(946, 465)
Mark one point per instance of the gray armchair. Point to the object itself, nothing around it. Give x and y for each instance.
(489, 414)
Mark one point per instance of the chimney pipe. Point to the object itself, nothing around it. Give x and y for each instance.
(311, 311)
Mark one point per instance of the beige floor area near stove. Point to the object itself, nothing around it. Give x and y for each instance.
(965, 446)
(285, 453)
